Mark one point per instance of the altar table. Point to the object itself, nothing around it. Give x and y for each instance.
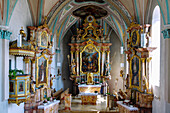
(89, 88)
(89, 98)
(126, 109)
(51, 107)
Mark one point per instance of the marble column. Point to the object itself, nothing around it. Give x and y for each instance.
(143, 72)
(33, 69)
(77, 60)
(108, 59)
(4, 59)
(26, 65)
(102, 62)
(49, 70)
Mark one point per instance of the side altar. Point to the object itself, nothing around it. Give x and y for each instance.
(138, 88)
(89, 59)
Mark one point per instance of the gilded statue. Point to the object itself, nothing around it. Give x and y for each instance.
(51, 80)
(100, 34)
(73, 67)
(79, 31)
(89, 78)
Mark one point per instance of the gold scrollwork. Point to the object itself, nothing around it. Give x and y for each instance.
(90, 27)
(139, 73)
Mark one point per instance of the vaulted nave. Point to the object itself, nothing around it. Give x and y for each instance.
(84, 56)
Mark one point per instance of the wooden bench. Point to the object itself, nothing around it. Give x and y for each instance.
(60, 93)
(63, 93)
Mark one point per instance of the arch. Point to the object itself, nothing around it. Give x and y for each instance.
(116, 20)
(155, 63)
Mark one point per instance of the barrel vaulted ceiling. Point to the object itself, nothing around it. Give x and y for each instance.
(60, 13)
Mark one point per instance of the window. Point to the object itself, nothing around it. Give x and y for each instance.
(155, 42)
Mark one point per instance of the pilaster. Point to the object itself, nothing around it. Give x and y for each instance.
(166, 33)
(166, 63)
(4, 59)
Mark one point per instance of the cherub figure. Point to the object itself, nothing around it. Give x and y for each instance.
(79, 31)
(100, 34)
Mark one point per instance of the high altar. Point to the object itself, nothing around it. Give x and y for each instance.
(90, 63)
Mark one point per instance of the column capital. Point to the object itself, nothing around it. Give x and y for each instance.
(33, 60)
(143, 60)
(26, 60)
(166, 33)
(50, 61)
(4, 34)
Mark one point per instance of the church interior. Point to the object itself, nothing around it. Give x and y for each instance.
(84, 56)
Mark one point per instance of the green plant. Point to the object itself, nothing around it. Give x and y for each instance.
(108, 93)
(12, 73)
(101, 81)
(48, 99)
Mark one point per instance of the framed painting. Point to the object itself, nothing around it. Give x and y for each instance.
(135, 72)
(90, 59)
(11, 87)
(135, 38)
(44, 39)
(41, 71)
(21, 86)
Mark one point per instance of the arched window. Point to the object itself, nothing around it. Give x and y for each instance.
(155, 42)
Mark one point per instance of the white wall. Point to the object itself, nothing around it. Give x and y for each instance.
(21, 17)
(115, 63)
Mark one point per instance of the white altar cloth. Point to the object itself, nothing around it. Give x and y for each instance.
(127, 107)
(84, 85)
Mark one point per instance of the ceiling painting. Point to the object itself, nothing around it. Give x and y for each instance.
(99, 1)
(84, 11)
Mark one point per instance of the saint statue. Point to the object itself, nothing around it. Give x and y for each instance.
(73, 67)
(42, 72)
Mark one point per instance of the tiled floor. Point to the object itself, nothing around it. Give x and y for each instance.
(76, 106)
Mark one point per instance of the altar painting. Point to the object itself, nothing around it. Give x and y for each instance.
(42, 71)
(90, 60)
(135, 69)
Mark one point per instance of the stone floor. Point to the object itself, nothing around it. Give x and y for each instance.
(77, 107)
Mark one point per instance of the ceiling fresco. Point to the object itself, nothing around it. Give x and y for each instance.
(84, 11)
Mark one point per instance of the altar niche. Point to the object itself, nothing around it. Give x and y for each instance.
(90, 51)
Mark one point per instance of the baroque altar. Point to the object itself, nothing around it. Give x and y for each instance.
(33, 85)
(90, 52)
(138, 57)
